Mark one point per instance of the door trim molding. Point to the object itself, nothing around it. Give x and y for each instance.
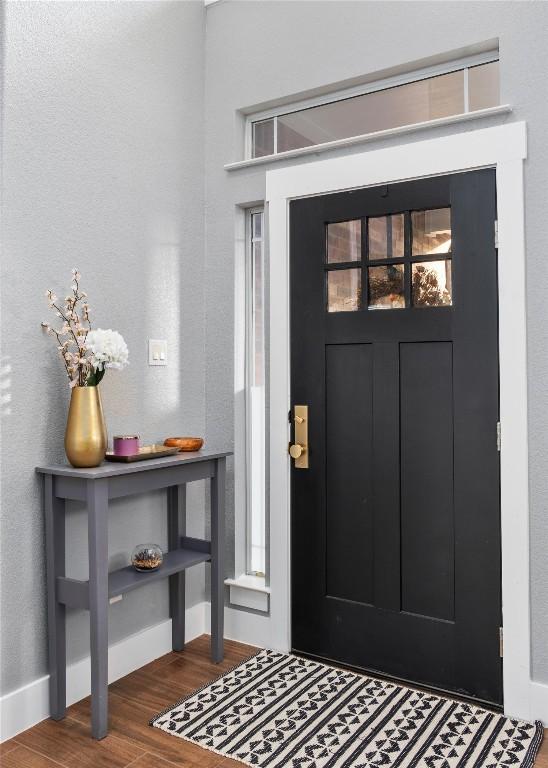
(504, 148)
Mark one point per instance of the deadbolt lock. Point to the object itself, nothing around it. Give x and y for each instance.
(299, 449)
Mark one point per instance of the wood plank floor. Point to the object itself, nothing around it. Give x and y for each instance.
(133, 700)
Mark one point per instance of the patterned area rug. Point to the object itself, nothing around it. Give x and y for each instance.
(279, 710)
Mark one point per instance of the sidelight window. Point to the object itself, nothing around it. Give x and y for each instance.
(404, 261)
(247, 584)
(255, 396)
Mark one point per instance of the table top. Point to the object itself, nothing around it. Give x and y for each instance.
(113, 469)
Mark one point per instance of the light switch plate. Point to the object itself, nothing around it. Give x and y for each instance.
(157, 352)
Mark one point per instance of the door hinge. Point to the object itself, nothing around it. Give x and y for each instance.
(496, 234)
(498, 436)
(501, 642)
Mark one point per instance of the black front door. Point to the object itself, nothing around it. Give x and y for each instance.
(395, 522)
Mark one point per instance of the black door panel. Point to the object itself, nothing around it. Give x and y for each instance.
(395, 525)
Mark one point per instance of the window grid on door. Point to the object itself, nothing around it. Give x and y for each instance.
(398, 261)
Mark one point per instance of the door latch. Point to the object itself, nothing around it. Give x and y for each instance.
(299, 449)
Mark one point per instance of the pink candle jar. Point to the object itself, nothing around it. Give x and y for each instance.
(125, 445)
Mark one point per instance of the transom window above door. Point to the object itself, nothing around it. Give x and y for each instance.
(389, 262)
(458, 88)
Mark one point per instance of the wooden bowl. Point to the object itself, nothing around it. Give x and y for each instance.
(184, 443)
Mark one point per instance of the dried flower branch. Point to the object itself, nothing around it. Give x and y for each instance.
(85, 360)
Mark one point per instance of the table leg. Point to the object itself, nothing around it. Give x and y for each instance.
(217, 559)
(55, 561)
(176, 525)
(97, 503)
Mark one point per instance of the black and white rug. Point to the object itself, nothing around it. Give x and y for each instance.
(280, 710)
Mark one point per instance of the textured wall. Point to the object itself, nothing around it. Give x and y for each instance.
(103, 170)
(275, 49)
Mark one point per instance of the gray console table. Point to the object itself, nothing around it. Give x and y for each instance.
(96, 487)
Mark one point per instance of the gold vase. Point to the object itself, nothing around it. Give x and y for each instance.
(86, 434)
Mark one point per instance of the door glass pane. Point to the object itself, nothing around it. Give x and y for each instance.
(386, 289)
(255, 402)
(385, 235)
(431, 283)
(344, 290)
(483, 86)
(263, 138)
(344, 241)
(257, 226)
(406, 104)
(431, 231)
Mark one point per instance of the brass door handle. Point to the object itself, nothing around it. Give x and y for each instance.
(296, 450)
(299, 449)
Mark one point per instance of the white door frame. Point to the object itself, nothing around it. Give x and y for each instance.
(504, 148)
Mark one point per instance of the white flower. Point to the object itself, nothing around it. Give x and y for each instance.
(108, 349)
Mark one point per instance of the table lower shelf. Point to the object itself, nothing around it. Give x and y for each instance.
(75, 593)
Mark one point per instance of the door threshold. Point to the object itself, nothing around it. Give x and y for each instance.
(497, 708)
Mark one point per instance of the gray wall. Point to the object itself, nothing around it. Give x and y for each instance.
(103, 170)
(261, 51)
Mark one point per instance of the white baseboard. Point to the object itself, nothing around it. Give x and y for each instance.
(539, 702)
(28, 705)
(245, 627)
